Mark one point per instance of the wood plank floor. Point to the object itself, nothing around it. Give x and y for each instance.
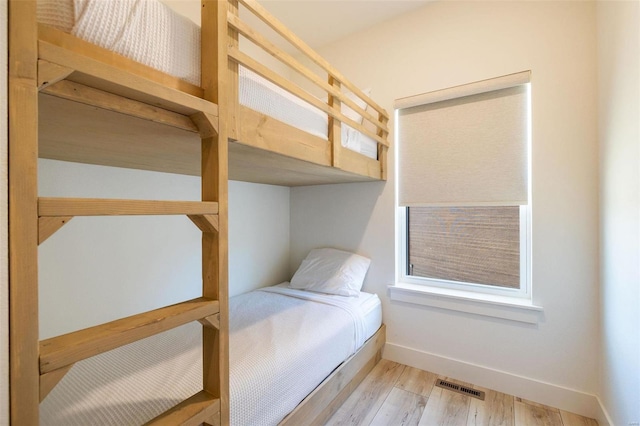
(399, 395)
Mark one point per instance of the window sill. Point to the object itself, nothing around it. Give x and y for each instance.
(518, 310)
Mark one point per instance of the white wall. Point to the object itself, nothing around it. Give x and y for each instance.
(99, 269)
(619, 133)
(4, 254)
(450, 43)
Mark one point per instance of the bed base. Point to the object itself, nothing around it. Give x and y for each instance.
(327, 398)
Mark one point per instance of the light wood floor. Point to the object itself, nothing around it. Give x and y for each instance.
(398, 395)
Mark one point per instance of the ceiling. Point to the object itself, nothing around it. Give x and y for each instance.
(319, 22)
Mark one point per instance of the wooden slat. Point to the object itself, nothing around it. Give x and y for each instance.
(50, 380)
(116, 80)
(49, 73)
(70, 348)
(355, 162)
(23, 217)
(285, 84)
(261, 131)
(112, 207)
(87, 95)
(277, 26)
(47, 226)
(294, 64)
(335, 126)
(191, 412)
(206, 222)
(108, 57)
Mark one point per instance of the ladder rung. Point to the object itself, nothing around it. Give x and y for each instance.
(109, 207)
(193, 411)
(69, 348)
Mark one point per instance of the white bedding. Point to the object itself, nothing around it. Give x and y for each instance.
(283, 342)
(151, 33)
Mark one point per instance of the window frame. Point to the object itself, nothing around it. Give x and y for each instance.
(524, 292)
(522, 295)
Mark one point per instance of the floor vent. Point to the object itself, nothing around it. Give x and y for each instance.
(460, 389)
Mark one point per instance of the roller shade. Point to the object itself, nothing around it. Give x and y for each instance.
(467, 145)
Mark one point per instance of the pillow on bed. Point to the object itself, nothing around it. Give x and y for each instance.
(331, 271)
(349, 112)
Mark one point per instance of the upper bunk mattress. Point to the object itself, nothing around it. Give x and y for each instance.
(151, 33)
(283, 343)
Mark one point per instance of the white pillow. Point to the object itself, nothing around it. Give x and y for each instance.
(331, 271)
(349, 112)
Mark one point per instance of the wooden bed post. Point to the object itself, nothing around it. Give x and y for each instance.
(382, 149)
(335, 126)
(214, 171)
(23, 213)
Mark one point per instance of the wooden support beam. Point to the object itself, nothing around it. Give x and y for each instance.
(382, 150)
(212, 321)
(207, 124)
(335, 126)
(23, 214)
(50, 73)
(206, 222)
(191, 412)
(49, 381)
(219, 81)
(89, 96)
(47, 226)
(70, 348)
(109, 207)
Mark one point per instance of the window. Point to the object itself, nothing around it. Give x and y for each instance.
(463, 187)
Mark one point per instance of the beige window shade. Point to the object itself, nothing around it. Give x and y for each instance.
(467, 145)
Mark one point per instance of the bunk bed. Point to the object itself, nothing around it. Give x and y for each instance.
(72, 100)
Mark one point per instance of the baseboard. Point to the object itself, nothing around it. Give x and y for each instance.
(603, 417)
(534, 390)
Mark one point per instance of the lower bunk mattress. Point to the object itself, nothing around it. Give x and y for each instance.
(151, 33)
(283, 343)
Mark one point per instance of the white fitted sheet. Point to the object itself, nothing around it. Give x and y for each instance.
(151, 33)
(283, 343)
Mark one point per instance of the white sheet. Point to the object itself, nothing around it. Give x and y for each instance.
(132, 384)
(151, 33)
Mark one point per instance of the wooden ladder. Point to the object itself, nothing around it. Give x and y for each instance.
(37, 366)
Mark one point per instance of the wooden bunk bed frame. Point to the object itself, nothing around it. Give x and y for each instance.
(62, 89)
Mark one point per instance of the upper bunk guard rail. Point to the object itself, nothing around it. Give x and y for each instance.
(335, 85)
(259, 11)
(89, 65)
